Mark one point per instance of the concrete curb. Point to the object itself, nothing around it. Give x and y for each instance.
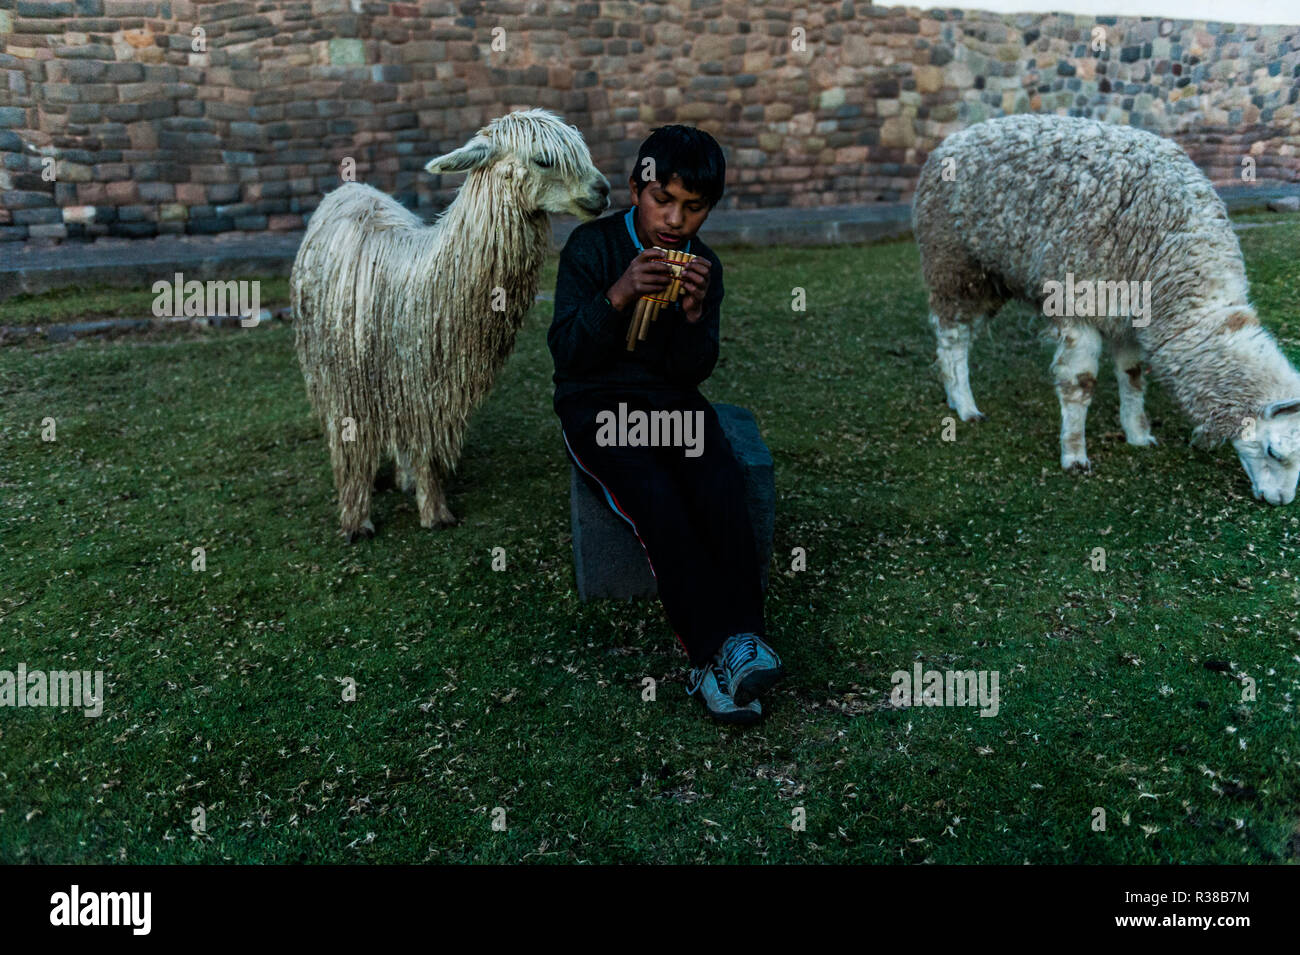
(126, 263)
(141, 262)
(138, 264)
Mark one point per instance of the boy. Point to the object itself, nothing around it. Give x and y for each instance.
(686, 505)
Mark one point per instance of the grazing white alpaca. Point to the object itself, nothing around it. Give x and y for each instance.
(1120, 228)
(401, 328)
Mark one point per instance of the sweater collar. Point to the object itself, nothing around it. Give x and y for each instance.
(631, 231)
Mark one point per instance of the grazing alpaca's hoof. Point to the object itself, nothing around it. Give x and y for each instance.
(1077, 465)
(970, 413)
(367, 529)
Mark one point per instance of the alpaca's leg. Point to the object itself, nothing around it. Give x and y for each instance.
(1074, 369)
(953, 337)
(430, 498)
(354, 505)
(355, 465)
(1132, 392)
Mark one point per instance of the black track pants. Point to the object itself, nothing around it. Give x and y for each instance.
(688, 512)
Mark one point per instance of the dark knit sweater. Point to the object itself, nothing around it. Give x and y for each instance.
(588, 336)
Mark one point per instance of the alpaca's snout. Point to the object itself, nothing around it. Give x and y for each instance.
(597, 199)
(1278, 497)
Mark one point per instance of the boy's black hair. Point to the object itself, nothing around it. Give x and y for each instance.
(687, 152)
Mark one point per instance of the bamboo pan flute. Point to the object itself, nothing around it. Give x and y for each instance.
(649, 306)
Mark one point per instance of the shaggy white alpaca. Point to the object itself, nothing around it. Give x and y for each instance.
(1106, 221)
(402, 327)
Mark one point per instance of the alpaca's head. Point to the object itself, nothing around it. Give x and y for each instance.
(1270, 452)
(538, 159)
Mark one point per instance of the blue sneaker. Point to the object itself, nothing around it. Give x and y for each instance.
(750, 666)
(709, 683)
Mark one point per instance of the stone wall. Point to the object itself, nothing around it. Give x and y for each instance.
(148, 135)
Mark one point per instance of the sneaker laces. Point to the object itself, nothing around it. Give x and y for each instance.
(742, 649)
(720, 674)
(694, 679)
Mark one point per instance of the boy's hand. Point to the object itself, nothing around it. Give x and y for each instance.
(695, 285)
(647, 273)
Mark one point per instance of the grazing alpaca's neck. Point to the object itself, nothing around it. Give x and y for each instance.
(1224, 369)
(1204, 340)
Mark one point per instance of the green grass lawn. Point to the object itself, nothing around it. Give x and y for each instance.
(479, 689)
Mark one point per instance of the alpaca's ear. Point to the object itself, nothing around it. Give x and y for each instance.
(1290, 406)
(470, 156)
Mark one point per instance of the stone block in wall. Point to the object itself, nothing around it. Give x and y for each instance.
(347, 52)
(112, 171)
(121, 193)
(19, 199)
(46, 8)
(190, 193)
(53, 230)
(210, 174)
(140, 92)
(134, 230)
(132, 8)
(32, 216)
(157, 191)
(209, 225)
(85, 113)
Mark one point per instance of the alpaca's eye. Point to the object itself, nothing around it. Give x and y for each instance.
(543, 162)
(1273, 454)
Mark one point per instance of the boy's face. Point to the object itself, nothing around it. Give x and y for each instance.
(667, 216)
